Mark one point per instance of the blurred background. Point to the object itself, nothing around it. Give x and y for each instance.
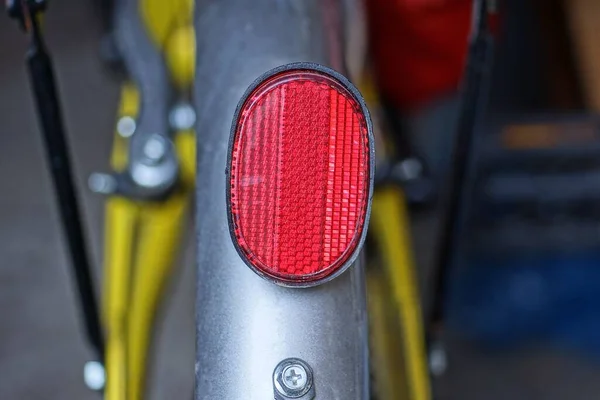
(522, 305)
(42, 344)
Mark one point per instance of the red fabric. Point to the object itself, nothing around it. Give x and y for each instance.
(419, 47)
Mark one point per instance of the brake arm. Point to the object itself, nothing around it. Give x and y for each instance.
(142, 234)
(140, 248)
(146, 67)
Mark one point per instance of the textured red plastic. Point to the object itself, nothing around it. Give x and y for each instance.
(299, 176)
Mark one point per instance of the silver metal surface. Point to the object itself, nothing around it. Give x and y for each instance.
(146, 67)
(126, 126)
(182, 117)
(155, 148)
(244, 323)
(293, 379)
(102, 183)
(408, 169)
(94, 375)
(153, 176)
(438, 359)
(154, 167)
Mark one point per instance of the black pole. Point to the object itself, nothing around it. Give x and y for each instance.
(50, 118)
(475, 90)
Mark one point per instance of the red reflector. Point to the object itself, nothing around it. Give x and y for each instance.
(300, 176)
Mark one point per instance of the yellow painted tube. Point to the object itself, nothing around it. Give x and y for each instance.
(180, 55)
(186, 149)
(130, 296)
(159, 238)
(391, 228)
(386, 364)
(129, 106)
(158, 242)
(121, 216)
(116, 368)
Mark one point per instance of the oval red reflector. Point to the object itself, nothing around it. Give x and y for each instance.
(299, 176)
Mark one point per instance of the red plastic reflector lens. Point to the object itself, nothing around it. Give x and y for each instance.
(299, 176)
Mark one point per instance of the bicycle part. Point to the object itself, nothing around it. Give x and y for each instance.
(160, 227)
(405, 167)
(409, 174)
(145, 178)
(475, 90)
(141, 244)
(157, 46)
(143, 230)
(41, 77)
(246, 325)
(390, 231)
(121, 218)
(385, 345)
(293, 379)
(94, 375)
(300, 175)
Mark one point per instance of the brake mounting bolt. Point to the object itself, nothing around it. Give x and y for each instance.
(155, 148)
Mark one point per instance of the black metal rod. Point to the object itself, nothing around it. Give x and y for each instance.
(474, 96)
(50, 118)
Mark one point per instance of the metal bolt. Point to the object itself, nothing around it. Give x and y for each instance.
(126, 126)
(292, 379)
(408, 169)
(155, 148)
(94, 375)
(182, 117)
(102, 183)
(155, 167)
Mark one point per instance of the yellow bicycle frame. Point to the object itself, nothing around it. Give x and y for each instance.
(142, 238)
(391, 344)
(395, 317)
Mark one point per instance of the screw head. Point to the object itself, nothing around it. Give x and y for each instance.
(295, 377)
(126, 126)
(292, 379)
(155, 148)
(182, 116)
